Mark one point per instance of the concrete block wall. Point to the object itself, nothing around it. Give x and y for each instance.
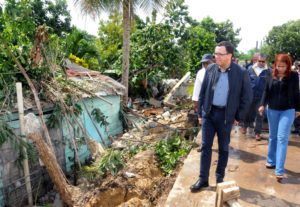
(12, 177)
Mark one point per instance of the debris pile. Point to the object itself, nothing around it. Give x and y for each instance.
(141, 182)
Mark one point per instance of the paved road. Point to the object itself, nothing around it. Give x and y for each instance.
(258, 185)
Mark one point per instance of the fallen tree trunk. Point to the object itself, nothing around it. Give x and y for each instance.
(69, 194)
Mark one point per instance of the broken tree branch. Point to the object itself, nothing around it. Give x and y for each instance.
(52, 67)
(150, 67)
(35, 94)
(95, 125)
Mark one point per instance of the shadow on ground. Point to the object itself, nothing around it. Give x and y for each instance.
(264, 200)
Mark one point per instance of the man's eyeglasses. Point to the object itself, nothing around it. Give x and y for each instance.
(261, 61)
(220, 54)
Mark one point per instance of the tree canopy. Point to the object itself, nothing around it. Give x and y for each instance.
(284, 39)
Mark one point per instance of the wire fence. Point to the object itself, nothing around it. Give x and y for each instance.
(14, 191)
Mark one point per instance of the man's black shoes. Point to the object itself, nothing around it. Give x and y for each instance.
(198, 185)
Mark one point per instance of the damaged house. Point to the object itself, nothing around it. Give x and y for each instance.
(100, 95)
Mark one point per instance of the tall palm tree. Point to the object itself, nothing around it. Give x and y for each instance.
(96, 7)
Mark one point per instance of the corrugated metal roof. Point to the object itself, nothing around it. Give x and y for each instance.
(100, 84)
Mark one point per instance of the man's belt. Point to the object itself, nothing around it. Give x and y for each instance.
(218, 107)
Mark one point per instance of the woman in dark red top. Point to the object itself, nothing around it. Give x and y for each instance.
(281, 94)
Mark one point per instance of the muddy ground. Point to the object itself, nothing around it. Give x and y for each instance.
(147, 187)
(141, 182)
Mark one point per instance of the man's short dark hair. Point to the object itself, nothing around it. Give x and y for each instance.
(228, 45)
(262, 55)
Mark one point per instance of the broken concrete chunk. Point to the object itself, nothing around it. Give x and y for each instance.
(119, 145)
(31, 124)
(166, 115)
(152, 124)
(174, 118)
(130, 175)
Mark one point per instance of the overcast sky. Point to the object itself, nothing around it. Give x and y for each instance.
(255, 17)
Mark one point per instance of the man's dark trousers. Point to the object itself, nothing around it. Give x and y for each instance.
(297, 125)
(253, 115)
(215, 122)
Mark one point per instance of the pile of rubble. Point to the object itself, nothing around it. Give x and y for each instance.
(141, 182)
(152, 124)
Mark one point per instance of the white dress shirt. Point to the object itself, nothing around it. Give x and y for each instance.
(198, 84)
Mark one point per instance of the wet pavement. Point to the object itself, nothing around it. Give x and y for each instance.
(246, 166)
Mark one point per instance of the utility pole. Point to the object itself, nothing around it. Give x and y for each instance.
(256, 47)
(261, 46)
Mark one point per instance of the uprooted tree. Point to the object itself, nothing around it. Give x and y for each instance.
(69, 193)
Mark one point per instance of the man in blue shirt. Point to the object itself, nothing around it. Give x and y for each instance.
(225, 97)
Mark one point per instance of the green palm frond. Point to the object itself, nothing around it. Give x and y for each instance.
(149, 5)
(94, 8)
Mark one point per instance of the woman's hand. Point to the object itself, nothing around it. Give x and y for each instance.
(200, 121)
(297, 114)
(261, 110)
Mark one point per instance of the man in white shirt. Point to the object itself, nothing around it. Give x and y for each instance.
(206, 60)
(295, 66)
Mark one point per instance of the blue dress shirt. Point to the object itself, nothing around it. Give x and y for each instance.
(221, 90)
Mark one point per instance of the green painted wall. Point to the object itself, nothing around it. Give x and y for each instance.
(114, 127)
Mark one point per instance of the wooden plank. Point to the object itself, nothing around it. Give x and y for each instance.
(220, 187)
(233, 203)
(22, 128)
(230, 193)
(170, 94)
(219, 198)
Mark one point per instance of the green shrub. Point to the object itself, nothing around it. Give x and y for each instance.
(89, 172)
(170, 151)
(111, 161)
(134, 149)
